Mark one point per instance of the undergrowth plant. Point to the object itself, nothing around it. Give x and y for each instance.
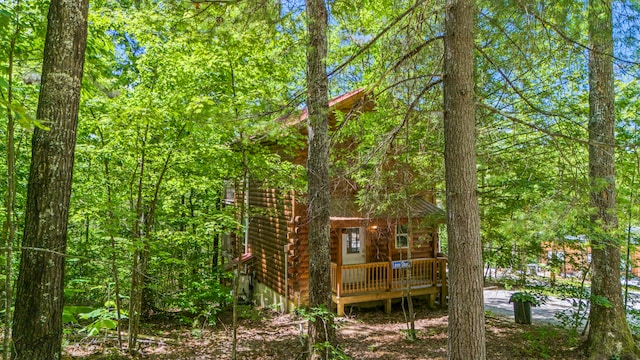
(102, 318)
(332, 352)
(580, 300)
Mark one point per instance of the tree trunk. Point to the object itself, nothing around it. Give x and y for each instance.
(138, 267)
(112, 226)
(9, 228)
(321, 331)
(147, 301)
(466, 308)
(37, 327)
(412, 321)
(609, 334)
(238, 249)
(220, 196)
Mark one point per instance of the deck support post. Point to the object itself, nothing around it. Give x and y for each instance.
(432, 300)
(387, 306)
(340, 308)
(443, 282)
(443, 297)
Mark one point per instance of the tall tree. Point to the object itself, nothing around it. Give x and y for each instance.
(466, 308)
(609, 334)
(321, 327)
(9, 228)
(37, 327)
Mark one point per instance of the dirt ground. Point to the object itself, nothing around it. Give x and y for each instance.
(363, 334)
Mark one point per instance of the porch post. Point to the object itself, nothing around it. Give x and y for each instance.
(443, 275)
(389, 275)
(339, 271)
(432, 301)
(435, 242)
(389, 252)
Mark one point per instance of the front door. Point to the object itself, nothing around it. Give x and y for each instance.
(353, 252)
(353, 246)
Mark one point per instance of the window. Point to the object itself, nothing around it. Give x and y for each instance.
(352, 237)
(227, 245)
(402, 236)
(229, 193)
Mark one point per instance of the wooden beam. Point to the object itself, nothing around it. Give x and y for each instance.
(339, 267)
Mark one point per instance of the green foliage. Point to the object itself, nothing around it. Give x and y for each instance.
(535, 299)
(316, 313)
(633, 318)
(601, 301)
(579, 298)
(175, 106)
(410, 335)
(70, 313)
(508, 286)
(321, 313)
(248, 312)
(204, 296)
(102, 318)
(538, 341)
(333, 353)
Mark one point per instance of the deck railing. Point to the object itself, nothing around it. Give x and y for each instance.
(383, 276)
(334, 271)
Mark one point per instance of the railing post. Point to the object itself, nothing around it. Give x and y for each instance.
(389, 275)
(338, 280)
(434, 272)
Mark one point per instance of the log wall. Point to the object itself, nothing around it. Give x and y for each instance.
(270, 214)
(278, 220)
(380, 237)
(424, 242)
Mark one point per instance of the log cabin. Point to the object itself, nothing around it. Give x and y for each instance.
(368, 251)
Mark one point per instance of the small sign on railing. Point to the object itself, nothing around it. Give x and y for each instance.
(402, 264)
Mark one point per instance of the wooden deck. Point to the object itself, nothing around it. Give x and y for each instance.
(385, 281)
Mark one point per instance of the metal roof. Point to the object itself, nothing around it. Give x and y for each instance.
(346, 208)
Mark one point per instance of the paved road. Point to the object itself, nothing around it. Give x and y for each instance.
(497, 301)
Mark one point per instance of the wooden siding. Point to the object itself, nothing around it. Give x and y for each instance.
(423, 241)
(278, 220)
(380, 237)
(635, 261)
(270, 220)
(334, 243)
(570, 256)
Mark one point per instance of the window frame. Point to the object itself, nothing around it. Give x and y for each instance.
(351, 231)
(402, 234)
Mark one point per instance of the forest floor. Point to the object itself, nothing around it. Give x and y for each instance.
(363, 334)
